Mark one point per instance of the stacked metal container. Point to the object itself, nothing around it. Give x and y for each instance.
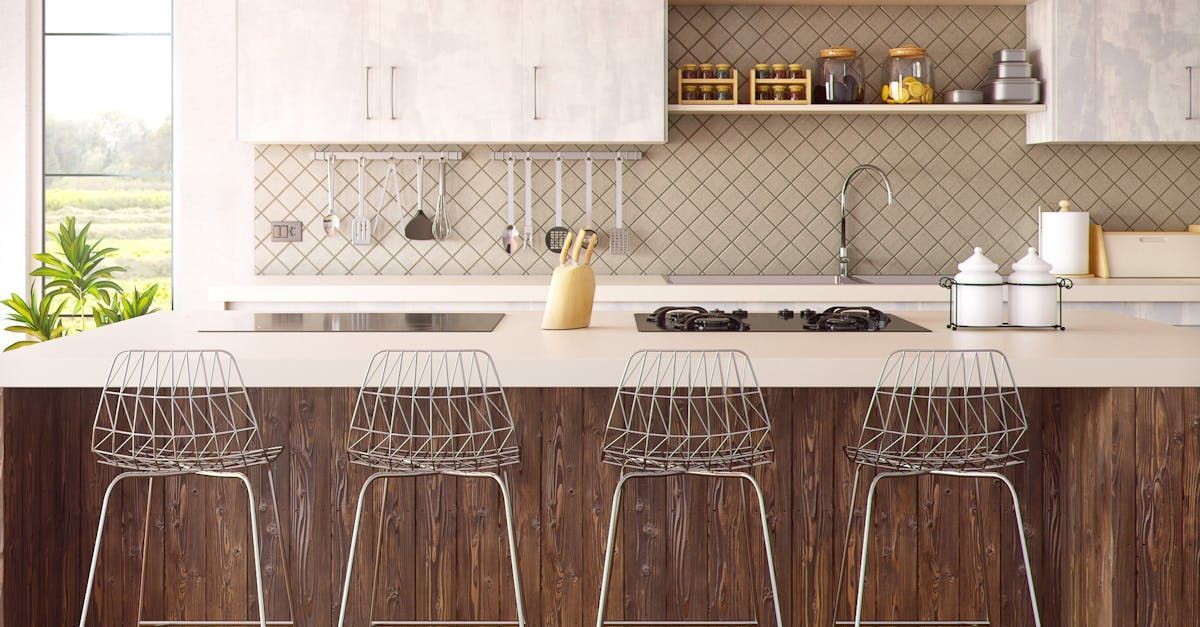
(1011, 81)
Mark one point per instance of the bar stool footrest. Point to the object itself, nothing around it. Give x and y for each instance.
(223, 623)
(919, 623)
(441, 623)
(681, 623)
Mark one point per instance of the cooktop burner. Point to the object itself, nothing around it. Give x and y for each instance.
(833, 319)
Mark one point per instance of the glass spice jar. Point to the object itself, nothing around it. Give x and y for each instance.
(762, 70)
(724, 70)
(795, 70)
(907, 76)
(779, 92)
(839, 77)
(764, 92)
(795, 92)
(706, 70)
(690, 92)
(706, 92)
(723, 93)
(689, 70)
(779, 70)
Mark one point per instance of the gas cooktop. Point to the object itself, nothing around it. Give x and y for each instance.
(833, 319)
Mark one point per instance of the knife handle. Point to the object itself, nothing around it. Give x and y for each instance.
(566, 249)
(591, 246)
(578, 245)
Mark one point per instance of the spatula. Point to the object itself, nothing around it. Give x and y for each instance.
(529, 203)
(420, 227)
(588, 231)
(618, 237)
(556, 237)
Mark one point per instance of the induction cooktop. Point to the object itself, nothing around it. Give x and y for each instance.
(366, 323)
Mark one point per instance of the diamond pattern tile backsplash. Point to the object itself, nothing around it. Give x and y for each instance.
(758, 194)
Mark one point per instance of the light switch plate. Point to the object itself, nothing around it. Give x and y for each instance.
(287, 231)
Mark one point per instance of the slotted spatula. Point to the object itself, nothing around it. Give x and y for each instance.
(618, 237)
(556, 236)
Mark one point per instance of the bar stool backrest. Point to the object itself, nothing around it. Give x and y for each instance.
(174, 410)
(433, 409)
(688, 409)
(944, 409)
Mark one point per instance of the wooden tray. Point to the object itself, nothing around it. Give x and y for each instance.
(806, 82)
(681, 81)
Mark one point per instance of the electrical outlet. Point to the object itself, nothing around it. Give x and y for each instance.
(287, 231)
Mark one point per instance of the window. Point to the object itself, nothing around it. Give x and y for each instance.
(107, 130)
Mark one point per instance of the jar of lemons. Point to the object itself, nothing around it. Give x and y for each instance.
(907, 76)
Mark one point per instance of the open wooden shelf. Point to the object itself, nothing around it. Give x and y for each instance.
(859, 109)
(956, 3)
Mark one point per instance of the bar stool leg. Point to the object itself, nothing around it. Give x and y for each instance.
(512, 545)
(91, 580)
(145, 541)
(766, 531)
(284, 570)
(358, 510)
(612, 543)
(862, 564)
(258, 578)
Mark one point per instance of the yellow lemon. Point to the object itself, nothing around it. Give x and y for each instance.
(901, 96)
(928, 95)
(883, 93)
(916, 90)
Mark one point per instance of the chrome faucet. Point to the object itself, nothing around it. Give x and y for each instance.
(843, 275)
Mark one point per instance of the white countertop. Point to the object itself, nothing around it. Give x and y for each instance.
(1099, 349)
(647, 289)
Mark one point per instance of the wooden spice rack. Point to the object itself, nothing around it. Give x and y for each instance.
(806, 82)
(731, 82)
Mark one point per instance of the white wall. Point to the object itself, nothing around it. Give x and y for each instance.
(16, 173)
(214, 180)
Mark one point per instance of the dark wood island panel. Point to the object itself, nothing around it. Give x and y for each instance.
(1111, 492)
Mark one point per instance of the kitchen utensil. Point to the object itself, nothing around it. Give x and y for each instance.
(1151, 254)
(1007, 55)
(618, 238)
(529, 203)
(556, 236)
(590, 246)
(1013, 91)
(1063, 239)
(979, 296)
(1097, 253)
(1032, 293)
(964, 96)
(331, 222)
(390, 179)
(420, 227)
(588, 231)
(510, 239)
(360, 226)
(441, 219)
(572, 288)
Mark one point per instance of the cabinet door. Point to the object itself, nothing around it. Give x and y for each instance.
(450, 71)
(1103, 82)
(301, 71)
(597, 71)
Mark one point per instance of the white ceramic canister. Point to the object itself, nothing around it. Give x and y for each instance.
(1032, 292)
(979, 293)
(1063, 239)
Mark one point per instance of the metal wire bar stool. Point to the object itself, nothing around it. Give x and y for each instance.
(691, 413)
(955, 413)
(172, 413)
(433, 412)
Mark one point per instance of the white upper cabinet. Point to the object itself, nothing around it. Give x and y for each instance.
(301, 70)
(597, 71)
(1116, 70)
(452, 71)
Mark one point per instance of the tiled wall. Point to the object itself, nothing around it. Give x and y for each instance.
(758, 195)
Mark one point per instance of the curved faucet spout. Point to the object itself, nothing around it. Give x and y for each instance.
(843, 250)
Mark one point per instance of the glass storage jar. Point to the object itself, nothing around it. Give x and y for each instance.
(723, 92)
(779, 70)
(779, 92)
(706, 71)
(689, 70)
(762, 70)
(764, 92)
(839, 77)
(724, 70)
(706, 92)
(690, 92)
(907, 76)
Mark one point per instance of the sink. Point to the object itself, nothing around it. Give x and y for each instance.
(799, 279)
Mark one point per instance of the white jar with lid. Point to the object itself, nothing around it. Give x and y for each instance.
(1032, 292)
(978, 293)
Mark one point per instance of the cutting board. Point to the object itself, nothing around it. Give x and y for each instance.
(1152, 254)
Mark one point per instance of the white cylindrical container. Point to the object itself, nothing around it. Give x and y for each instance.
(1032, 293)
(979, 293)
(1063, 239)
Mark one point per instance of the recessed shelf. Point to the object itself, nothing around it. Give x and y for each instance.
(859, 109)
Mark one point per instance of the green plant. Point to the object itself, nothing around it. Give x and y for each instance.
(38, 317)
(125, 306)
(80, 271)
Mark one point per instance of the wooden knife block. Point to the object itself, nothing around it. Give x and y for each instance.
(569, 304)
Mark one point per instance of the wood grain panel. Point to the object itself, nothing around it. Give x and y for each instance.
(1110, 496)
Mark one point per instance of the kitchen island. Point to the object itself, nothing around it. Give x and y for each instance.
(1111, 486)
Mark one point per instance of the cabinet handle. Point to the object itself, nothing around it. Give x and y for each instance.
(1190, 115)
(392, 94)
(367, 90)
(535, 92)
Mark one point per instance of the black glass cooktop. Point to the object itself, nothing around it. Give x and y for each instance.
(367, 323)
(832, 320)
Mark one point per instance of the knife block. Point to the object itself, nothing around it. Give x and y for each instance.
(572, 293)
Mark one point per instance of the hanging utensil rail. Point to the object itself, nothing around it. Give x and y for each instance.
(384, 156)
(630, 155)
